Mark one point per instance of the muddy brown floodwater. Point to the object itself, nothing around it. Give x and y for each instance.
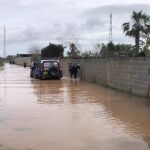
(68, 115)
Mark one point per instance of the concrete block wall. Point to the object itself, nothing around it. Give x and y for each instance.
(127, 74)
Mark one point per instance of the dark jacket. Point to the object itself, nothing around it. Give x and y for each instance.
(75, 69)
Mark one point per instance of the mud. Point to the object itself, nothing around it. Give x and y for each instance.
(68, 115)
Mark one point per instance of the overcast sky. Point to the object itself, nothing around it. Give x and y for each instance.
(38, 22)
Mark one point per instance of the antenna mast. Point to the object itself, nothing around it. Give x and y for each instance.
(4, 51)
(110, 29)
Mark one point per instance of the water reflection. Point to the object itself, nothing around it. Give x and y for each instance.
(130, 112)
(48, 91)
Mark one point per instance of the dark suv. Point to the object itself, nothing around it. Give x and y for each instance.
(46, 69)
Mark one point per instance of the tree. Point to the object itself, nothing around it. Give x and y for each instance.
(138, 25)
(35, 51)
(52, 51)
(104, 51)
(74, 52)
(145, 41)
(117, 50)
(86, 54)
(111, 49)
(97, 50)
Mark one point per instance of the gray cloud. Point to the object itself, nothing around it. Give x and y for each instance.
(117, 9)
(97, 19)
(39, 22)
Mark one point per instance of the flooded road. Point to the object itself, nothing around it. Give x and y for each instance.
(68, 115)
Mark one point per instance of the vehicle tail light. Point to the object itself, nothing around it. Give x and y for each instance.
(42, 67)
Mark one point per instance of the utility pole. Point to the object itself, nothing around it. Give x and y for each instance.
(110, 29)
(4, 50)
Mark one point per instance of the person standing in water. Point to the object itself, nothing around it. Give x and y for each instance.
(25, 64)
(75, 68)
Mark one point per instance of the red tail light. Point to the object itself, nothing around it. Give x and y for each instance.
(42, 67)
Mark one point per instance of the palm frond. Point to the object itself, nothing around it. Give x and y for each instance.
(126, 26)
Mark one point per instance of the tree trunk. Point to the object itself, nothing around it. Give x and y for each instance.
(137, 39)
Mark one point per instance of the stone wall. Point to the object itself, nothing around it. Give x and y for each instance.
(127, 74)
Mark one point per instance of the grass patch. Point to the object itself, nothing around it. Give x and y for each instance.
(1, 62)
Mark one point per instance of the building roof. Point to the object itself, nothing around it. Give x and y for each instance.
(24, 55)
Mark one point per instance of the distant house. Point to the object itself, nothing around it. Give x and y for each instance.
(20, 59)
(32, 56)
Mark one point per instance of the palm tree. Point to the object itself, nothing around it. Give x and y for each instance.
(139, 23)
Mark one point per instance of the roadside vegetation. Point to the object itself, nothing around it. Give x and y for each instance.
(1, 62)
(138, 28)
(53, 50)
